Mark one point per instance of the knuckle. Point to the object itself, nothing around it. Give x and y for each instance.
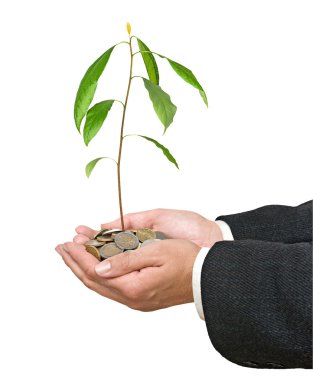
(135, 293)
(141, 299)
(140, 306)
(89, 273)
(135, 306)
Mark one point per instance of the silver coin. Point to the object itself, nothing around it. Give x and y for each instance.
(161, 235)
(126, 240)
(109, 250)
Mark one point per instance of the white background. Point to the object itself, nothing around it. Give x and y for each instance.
(252, 147)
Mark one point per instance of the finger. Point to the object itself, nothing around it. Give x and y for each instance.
(134, 220)
(69, 261)
(87, 231)
(80, 239)
(84, 259)
(128, 262)
(81, 275)
(86, 262)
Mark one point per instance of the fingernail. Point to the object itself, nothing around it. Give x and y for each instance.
(103, 268)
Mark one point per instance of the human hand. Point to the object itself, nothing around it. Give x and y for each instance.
(156, 276)
(177, 224)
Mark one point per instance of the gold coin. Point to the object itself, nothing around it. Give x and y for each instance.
(126, 240)
(145, 234)
(109, 250)
(94, 251)
(94, 243)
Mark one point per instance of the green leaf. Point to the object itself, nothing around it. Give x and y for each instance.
(165, 151)
(88, 86)
(162, 104)
(90, 166)
(150, 62)
(95, 118)
(188, 76)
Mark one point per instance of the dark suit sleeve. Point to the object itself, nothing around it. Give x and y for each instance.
(274, 223)
(257, 300)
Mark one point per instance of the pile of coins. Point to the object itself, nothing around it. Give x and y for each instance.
(107, 243)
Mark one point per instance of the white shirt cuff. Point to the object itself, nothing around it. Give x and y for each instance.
(197, 267)
(226, 231)
(196, 280)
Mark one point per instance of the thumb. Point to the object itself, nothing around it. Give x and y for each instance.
(127, 262)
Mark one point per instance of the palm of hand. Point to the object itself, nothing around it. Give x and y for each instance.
(177, 224)
(187, 225)
(156, 276)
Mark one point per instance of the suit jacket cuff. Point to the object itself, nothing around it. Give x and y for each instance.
(197, 268)
(257, 302)
(276, 223)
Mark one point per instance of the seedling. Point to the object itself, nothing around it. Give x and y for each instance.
(161, 101)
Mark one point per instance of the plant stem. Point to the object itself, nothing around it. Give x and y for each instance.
(148, 52)
(121, 138)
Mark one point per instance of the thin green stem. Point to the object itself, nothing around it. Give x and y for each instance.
(110, 158)
(137, 76)
(122, 42)
(147, 51)
(121, 137)
(119, 101)
(129, 135)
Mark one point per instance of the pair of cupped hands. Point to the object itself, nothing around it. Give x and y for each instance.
(153, 277)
